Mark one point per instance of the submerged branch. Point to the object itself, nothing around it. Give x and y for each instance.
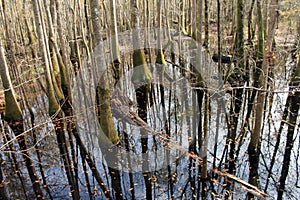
(247, 186)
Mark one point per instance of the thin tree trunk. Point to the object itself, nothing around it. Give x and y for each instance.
(260, 80)
(206, 24)
(204, 147)
(182, 22)
(236, 80)
(115, 42)
(253, 147)
(292, 123)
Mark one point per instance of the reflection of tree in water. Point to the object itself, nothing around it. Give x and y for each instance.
(145, 113)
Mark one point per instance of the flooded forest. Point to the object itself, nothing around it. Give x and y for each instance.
(157, 99)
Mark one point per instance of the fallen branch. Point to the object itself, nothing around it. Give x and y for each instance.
(122, 111)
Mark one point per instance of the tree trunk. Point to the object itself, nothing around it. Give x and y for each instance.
(54, 108)
(13, 115)
(115, 42)
(253, 147)
(141, 77)
(106, 120)
(236, 80)
(204, 146)
(103, 97)
(206, 24)
(292, 123)
(259, 80)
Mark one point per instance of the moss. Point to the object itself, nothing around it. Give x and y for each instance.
(12, 108)
(56, 79)
(138, 58)
(106, 119)
(64, 78)
(62, 75)
(55, 66)
(53, 104)
(116, 51)
(141, 72)
(200, 81)
(160, 59)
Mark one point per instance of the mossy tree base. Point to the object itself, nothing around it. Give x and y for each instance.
(141, 73)
(12, 108)
(105, 118)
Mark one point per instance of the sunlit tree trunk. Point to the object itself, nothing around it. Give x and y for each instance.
(103, 88)
(53, 65)
(56, 78)
(60, 51)
(62, 34)
(54, 109)
(103, 96)
(53, 104)
(182, 17)
(115, 42)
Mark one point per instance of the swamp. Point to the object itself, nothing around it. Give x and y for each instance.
(131, 99)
